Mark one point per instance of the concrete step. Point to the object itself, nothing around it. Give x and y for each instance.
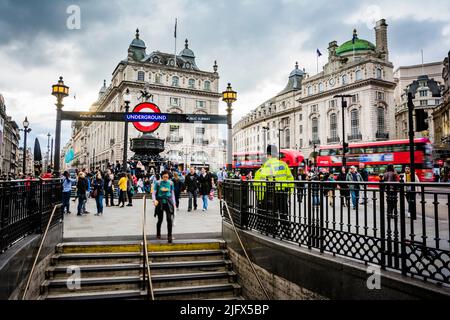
(117, 294)
(133, 246)
(123, 269)
(135, 257)
(135, 282)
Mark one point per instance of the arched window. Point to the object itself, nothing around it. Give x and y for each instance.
(315, 129)
(141, 76)
(380, 120)
(354, 122)
(344, 79)
(207, 85)
(175, 81)
(157, 78)
(379, 73)
(192, 83)
(321, 87)
(310, 90)
(358, 75)
(333, 126)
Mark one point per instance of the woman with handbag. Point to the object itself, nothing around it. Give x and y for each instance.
(98, 192)
(206, 182)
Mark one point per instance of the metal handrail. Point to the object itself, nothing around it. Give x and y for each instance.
(245, 251)
(39, 250)
(145, 263)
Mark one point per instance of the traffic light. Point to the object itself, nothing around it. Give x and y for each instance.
(421, 120)
(345, 146)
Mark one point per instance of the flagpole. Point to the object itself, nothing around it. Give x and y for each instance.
(175, 53)
(317, 63)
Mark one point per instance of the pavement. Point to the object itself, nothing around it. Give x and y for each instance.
(126, 222)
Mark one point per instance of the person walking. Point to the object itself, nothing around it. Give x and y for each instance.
(364, 175)
(130, 190)
(354, 176)
(163, 196)
(391, 190)
(343, 188)
(98, 188)
(67, 190)
(206, 184)
(82, 186)
(178, 186)
(410, 190)
(191, 182)
(109, 188)
(301, 176)
(122, 189)
(221, 176)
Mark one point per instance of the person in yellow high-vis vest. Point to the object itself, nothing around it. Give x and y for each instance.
(273, 198)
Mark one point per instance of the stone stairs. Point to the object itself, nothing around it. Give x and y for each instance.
(190, 269)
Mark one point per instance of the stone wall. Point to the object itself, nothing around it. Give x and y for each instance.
(276, 287)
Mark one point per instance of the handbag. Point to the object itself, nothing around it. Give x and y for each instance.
(94, 193)
(211, 194)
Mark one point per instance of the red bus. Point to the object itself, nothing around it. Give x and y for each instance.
(377, 155)
(253, 160)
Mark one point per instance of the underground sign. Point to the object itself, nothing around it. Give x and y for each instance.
(150, 111)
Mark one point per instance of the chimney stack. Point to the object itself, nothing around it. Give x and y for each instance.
(381, 38)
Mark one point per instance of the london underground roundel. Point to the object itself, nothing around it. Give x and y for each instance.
(147, 107)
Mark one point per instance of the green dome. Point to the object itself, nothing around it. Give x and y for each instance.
(359, 45)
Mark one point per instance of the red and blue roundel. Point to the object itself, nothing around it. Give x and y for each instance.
(147, 107)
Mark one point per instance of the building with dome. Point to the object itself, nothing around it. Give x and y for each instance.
(174, 83)
(306, 113)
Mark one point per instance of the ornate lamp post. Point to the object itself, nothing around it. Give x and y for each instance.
(126, 100)
(60, 91)
(229, 96)
(25, 130)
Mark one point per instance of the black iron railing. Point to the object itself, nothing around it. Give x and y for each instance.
(26, 207)
(356, 136)
(382, 135)
(368, 222)
(333, 139)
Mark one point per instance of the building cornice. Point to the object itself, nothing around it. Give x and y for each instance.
(136, 64)
(352, 86)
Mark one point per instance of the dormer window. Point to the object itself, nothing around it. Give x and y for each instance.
(379, 73)
(358, 75)
(207, 85)
(192, 83)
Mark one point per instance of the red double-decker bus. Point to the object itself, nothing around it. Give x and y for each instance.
(253, 160)
(377, 155)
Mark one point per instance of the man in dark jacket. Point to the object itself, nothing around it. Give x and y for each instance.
(364, 175)
(191, 183)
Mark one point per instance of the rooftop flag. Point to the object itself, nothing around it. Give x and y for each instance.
(318, 53)
(175, 32)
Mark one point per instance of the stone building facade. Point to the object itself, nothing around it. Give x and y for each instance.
(9, 143)
(426, 83)
(176, 85)
(308, 114)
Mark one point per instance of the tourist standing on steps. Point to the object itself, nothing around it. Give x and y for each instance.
(206, 182)
(163, 196)
(98, 192)
(191, 182)
(122, 189)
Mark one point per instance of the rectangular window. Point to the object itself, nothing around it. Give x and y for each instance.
(423, 93)
(423, 102)
(301, 143)
(141, 76)
(437, 102)
(300, 118)
(314, 108)
(175, 102)
(355, 98)
(380, 95)
(201, 104)
(332, 103)
(199, 131)
(301, 129)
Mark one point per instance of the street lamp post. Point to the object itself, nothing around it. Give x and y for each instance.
(48, 150)
(60, 91)
(265, 128)
(126, 100)
(51, 155)
(25, 132)
(279, 142)
(344, 145)
(229, 96)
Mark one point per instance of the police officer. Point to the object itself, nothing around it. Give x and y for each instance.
(273, 197)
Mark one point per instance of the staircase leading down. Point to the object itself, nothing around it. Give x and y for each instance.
(191, 269)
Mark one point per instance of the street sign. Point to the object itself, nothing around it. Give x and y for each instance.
(144, 117)
(153, 120)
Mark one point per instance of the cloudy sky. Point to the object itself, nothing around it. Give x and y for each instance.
(255, 42)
